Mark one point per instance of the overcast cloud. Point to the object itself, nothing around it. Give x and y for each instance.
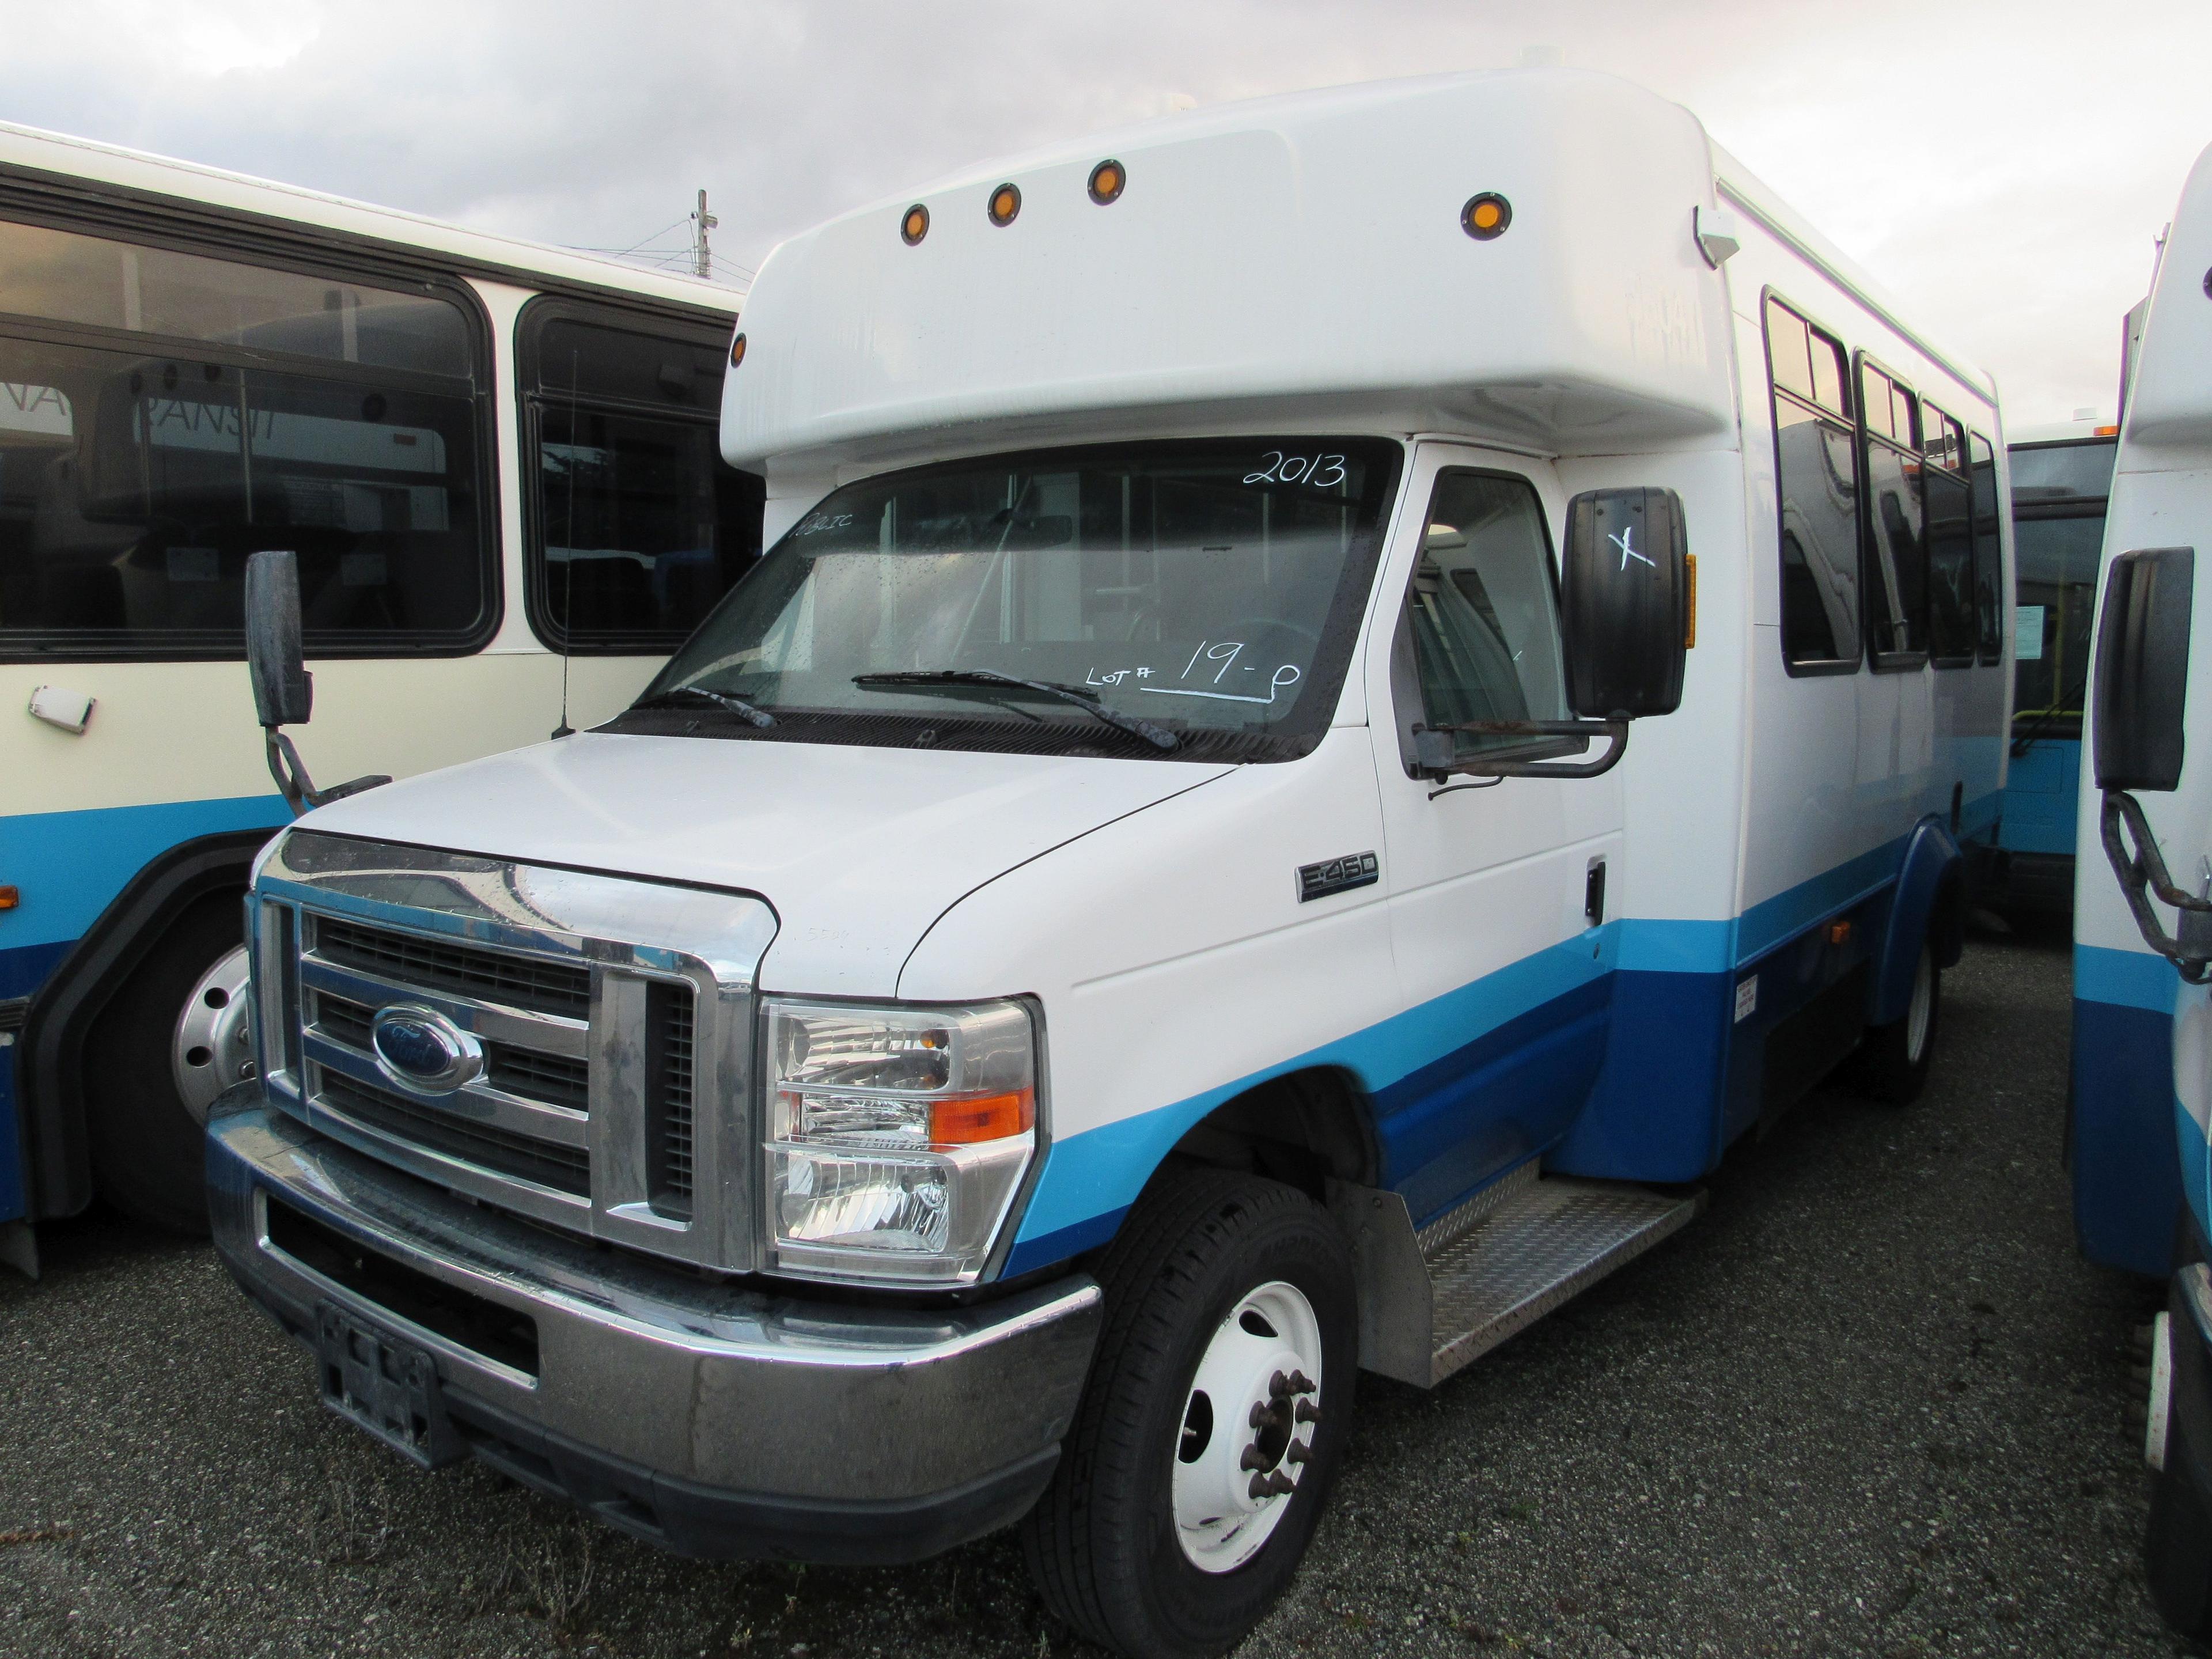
(2003, 168)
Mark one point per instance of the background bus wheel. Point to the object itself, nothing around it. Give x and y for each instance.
(167, 1044)
(1892, 1062)
(1213, 1423)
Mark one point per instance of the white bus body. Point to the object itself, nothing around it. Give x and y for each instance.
(195, 365)
(1258, 426)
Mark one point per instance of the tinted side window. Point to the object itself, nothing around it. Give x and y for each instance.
(1896, 523)
(137, 474)
(1817, 479)
(1483, 617)
(1991, 605)
(1951, 593)
(638, 527)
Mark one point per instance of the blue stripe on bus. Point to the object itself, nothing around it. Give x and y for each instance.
(68, 866)
(2130, 979)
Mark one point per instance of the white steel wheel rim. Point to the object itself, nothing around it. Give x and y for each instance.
(213, 1044)
(1922, 1007)
(1246, 1434)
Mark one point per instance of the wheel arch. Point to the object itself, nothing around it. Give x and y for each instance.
(1305, 1128)
(1928, 902)
(49, 1077)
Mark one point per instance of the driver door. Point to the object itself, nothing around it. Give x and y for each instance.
(1495, 885)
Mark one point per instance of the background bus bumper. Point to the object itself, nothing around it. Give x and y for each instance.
(714, 1419)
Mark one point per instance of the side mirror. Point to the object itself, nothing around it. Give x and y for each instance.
(283, 690)
(2142, 669)
(1624, 603)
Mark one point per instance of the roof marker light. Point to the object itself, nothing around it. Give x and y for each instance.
(736, 351)
(1006, 203)
(1107, 180)
(915, 225)
(1486, 217)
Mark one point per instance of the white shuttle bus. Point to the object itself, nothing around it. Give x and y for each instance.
(1128, 913)
(485, 454)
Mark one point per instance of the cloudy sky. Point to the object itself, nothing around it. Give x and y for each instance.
(2001, 167)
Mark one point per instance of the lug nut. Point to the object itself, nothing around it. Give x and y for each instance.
(1297, 1453)
(1271, 1485)
(1301, 1383)
(1308, 1412)
(1253, 1459)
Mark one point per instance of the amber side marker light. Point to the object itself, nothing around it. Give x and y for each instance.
(736, 351)
(2107, 432)
(915, 225)
(9, 897)
(1838, 931)
(1006, 203)
(1486, 217)
(1108, 179)
(991, 1117)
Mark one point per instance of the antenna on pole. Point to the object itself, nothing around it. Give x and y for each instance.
(701, 223)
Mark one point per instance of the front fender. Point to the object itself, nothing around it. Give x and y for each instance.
(1923, 906)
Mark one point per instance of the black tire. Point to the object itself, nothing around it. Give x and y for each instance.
(148, 1153)
(2177, 1548)
(1887, 1067)
(1102, 1543)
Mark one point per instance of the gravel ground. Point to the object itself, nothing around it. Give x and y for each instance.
(1871, 1403)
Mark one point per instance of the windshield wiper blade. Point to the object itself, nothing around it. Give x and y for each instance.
(1158, 737)
(737, 706)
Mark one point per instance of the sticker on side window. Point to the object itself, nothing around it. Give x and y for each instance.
(1747, 996)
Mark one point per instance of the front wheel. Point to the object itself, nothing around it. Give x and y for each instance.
(1213, 1423)
(174, 1037)
(1892, 1061)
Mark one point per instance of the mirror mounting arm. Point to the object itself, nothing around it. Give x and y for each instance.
(292, 779)
(1433, 748)
(2143, 873)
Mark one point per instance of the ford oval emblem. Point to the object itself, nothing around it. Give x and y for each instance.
(422, 1050)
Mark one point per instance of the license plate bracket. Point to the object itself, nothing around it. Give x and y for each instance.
(385, 1386)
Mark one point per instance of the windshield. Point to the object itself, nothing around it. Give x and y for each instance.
(1208, 590)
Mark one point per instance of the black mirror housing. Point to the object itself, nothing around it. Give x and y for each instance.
(283, 690)
(2142, 669)
(1624, 603)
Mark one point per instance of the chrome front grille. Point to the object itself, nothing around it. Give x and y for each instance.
(607, 1014)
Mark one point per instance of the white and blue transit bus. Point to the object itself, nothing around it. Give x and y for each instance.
(1349, 690)
(495, 463)
(2061, 475)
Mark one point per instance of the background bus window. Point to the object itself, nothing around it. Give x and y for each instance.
(637, 525)
(1989, 617)
(2058, 497)
(136, 476)
(1896, 522)
(1951, 626)
(1817, 477)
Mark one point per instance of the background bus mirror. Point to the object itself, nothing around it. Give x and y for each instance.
(283, 690)
(1624, 603)
(2142, 669)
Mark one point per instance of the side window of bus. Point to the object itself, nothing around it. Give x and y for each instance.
(1990, 607)
(1482, 614)
(1896, 522)
(637, 525)
(1951, 592)
(1817, 483)
(165, 414)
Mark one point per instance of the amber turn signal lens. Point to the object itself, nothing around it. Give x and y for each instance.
(9, 897)
(1485, 215)
(1107, 180)
(915, 225)
(1006, 203)
(985, 1117)
(1838, 931)
(736, 351)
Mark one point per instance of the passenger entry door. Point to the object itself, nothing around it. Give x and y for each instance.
(1502, 970)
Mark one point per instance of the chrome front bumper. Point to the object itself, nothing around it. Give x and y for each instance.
(717, 1419)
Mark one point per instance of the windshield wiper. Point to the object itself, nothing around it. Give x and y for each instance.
(737, 706)
(1158, 737)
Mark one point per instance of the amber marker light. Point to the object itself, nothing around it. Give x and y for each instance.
(1006, 203)
(736, 351)
(981, 1117)
(915, 225)
(1486, 217)
(1107, 180)
(9, 897)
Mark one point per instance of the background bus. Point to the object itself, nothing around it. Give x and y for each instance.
(2062, 475)
(489, 456)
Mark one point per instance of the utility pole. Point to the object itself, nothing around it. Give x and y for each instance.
(701, 223)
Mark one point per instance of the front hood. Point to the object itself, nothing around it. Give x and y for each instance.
(858, 850)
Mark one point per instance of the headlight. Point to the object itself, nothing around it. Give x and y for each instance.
(897, 1136)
